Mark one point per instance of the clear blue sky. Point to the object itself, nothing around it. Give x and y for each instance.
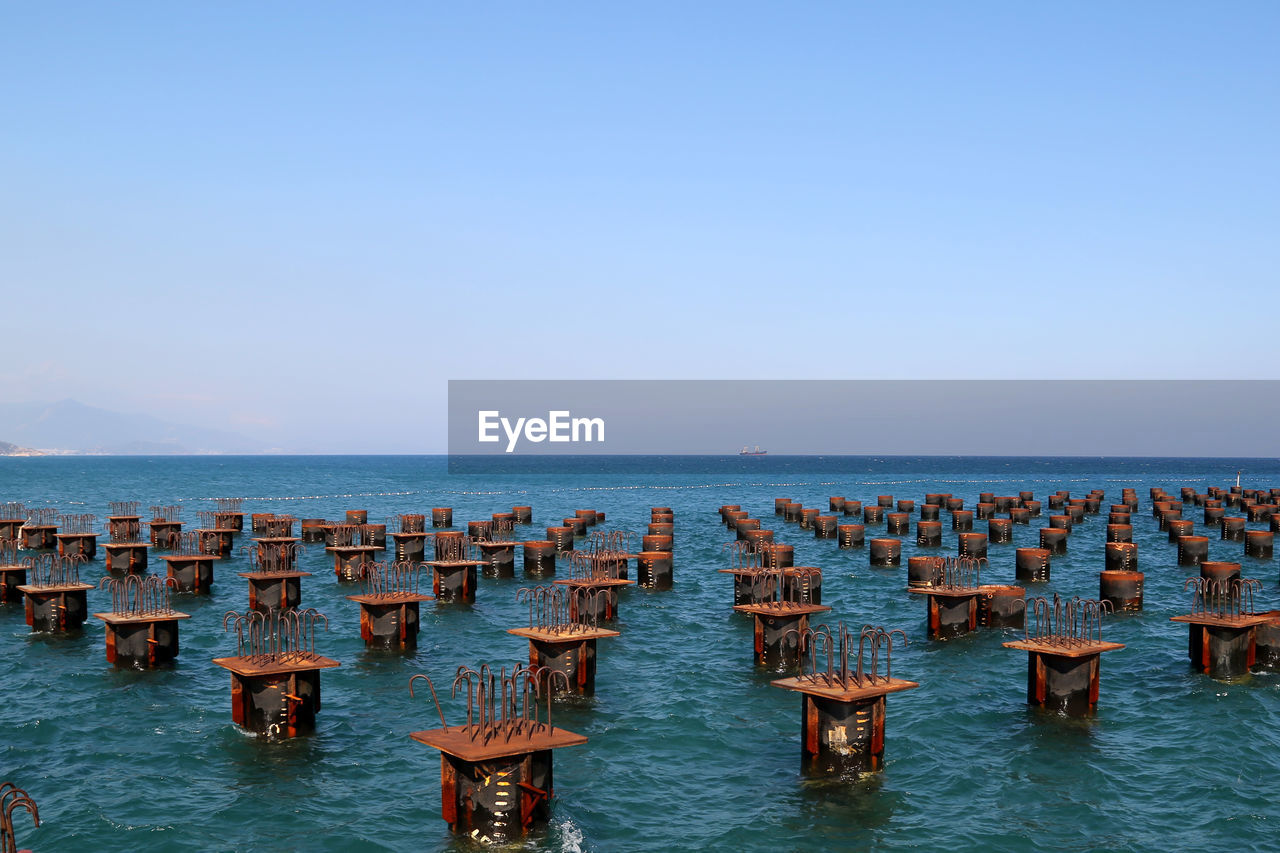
(364, 200)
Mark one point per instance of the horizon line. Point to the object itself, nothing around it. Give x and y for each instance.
(506, 457)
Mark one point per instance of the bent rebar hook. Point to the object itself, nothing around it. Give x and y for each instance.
(434, 697)
(12, 797)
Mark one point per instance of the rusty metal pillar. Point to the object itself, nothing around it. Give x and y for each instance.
(1032, 564)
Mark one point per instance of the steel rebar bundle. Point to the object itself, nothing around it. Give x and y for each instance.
(453, 549)
(596, 565)
(12, 510)
(769, 586)
(345, 534)
(961, 572)
(82, 523)
(615, 541)
(136, 595)
(9, 552)
(171, 512)
(125, 532)
(605, 556)
(502, 530)
(209, 519)
(272, 558)
(1065, 622)
(229, 504)
(184, 544)
(385, 580)
(1222, 598)
(836, 647)
(560, 609)
(283, 636)
(48, 570)
(124, 507)
(501, 706)
(743, 555)
(43, 517)
(12, 798)
(279, 526)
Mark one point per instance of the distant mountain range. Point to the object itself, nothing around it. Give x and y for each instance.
(71, 427)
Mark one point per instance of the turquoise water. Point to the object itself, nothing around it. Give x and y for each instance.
(690, 748)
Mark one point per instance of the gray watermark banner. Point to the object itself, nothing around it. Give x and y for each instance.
(495, 420)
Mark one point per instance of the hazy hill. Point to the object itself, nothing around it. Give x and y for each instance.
(71, 426)
(8, 449)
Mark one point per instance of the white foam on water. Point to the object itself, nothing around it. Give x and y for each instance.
(572, 839)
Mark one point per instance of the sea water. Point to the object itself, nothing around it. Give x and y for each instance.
(690, 748)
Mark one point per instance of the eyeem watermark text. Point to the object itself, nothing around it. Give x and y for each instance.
(559, 426)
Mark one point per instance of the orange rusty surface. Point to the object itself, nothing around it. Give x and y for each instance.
(457, 742)
(842, 694)
(566, 638)
(271, 575)
(51, 590)
(448, 792)
(246, 667)
(392, 598)
(1075, 651)
(589, 583)
(774, 608)
(1245, 621)
(116, 619)
(946, 591)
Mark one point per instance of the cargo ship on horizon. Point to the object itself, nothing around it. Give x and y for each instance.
(757, 452)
